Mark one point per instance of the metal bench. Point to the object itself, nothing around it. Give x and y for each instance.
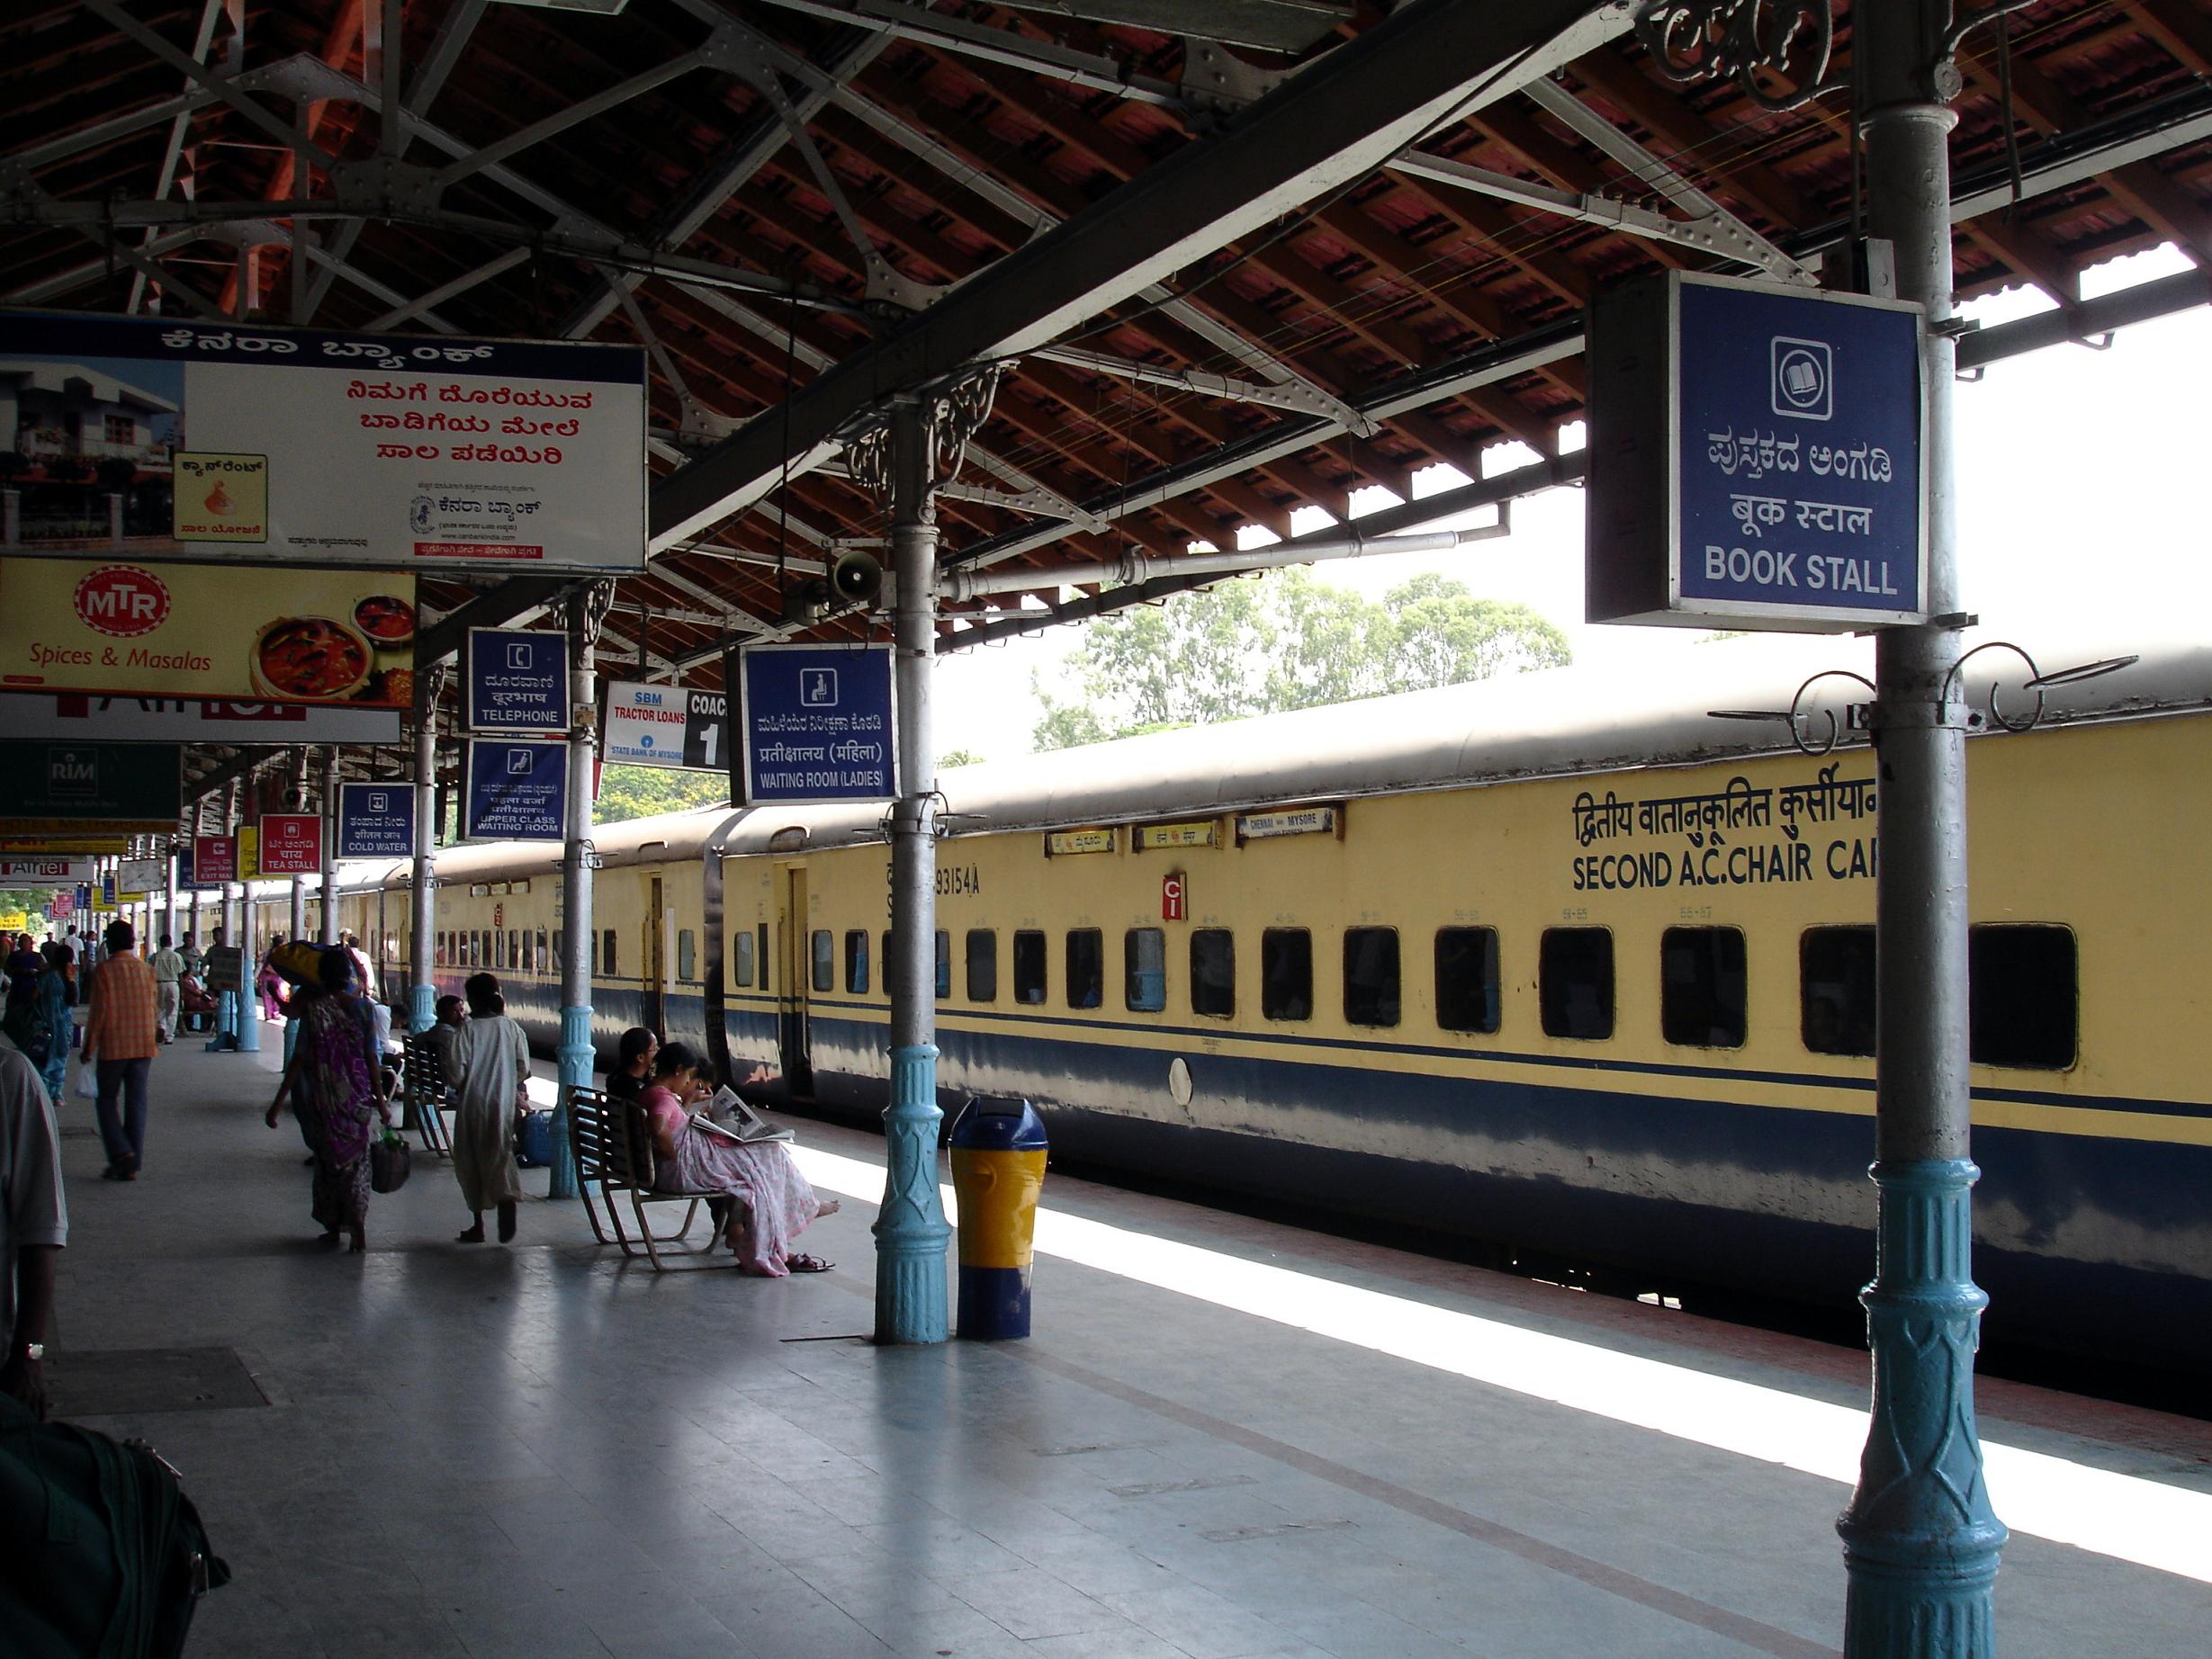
(426, 1094)
(612, 1141)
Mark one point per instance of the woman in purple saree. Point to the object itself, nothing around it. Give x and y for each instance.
(332, 1085)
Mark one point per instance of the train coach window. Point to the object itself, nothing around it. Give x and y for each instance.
(545, 962)
(1144, 970)
(687, 954)
(983, 965)
(1213, 972)
(1086, 968)
(856, 962)
(1370, 976)
(440, 938)
(821, 951)
(762, 931)
(2023, 996)
(1575, 983)
(606, 953)
(1029, 966)
(741, 956)
(890, 963)
(1467, 988)
(1701, 987)
(944, 963)
(1286, 973)
(1835, 969)
(593, 941)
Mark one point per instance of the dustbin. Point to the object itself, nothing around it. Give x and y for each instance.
(998, 1170)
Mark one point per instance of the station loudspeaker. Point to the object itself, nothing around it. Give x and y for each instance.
(856, 578)
(806, 601)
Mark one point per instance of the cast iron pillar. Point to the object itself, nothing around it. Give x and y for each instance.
(422, 890)
(329, 934)
(910, 1228)
(1920, 1540)
(906, 460)
(587, 613)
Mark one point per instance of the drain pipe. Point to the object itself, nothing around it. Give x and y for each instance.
(1135, 567)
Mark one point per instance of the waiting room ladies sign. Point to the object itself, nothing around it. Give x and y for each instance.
(158, 439)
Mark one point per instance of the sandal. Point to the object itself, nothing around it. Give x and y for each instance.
(807, 1264)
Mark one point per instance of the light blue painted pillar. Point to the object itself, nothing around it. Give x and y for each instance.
(1920, 1542)
(422, 891)
(587, 611)
(910, 1228)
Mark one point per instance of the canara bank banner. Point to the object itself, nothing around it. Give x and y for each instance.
(208, 631)
(165, 439)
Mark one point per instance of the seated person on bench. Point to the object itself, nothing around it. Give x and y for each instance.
(774, 1201)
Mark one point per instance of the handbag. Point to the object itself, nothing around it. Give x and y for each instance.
(390, 1163)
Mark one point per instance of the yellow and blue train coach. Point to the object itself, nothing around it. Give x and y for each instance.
(1509, 961)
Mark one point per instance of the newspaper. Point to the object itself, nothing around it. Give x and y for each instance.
(731, 1118)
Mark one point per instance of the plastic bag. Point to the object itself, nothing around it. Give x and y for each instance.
(390, 1163)
(88, 1084)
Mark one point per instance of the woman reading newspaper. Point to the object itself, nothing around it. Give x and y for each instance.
(773, 1202)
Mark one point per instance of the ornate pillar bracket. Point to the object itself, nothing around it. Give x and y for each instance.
(1695, 41)
(952, 413)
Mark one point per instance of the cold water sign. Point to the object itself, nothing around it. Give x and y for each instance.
(516, 791)
(376, 820)
(1779, 432)
(817, 723)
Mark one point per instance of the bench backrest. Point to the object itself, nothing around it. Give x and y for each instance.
(637, 1165)
(591, 1126)
(425, 1082)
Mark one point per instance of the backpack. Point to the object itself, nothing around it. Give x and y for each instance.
(26, 1028)
(101, 1554)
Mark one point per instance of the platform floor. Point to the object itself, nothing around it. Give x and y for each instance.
(1289, 1446)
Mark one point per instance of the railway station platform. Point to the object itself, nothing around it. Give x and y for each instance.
(1226, 1437)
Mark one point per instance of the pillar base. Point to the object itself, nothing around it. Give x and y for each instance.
(421, 1007)
(1920, 1542)
(575, 1060)
(226, 1035)
(910, 1232)
(249, 1024)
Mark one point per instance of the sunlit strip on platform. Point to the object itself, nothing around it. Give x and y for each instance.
(2148, 1522)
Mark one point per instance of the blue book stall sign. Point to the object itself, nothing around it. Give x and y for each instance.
(816, 724)
(517, 791)
(1755, 458)
(376, 820)
(518, 680)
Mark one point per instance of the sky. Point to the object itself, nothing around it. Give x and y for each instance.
(2081, 501)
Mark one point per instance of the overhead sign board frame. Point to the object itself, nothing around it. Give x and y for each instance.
(517, 679)
(308, 447)
(82, 716)
(1757, 457)
(816, 724)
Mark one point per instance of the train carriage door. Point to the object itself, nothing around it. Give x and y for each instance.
(652, 961)
(792, 959)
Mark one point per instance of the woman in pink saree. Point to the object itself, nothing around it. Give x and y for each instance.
(332, 1085)
(773, 1201)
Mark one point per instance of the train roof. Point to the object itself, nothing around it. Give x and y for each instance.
(1553, 723)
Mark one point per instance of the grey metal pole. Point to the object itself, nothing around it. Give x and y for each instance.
(329, 934)
(1920, 1540)
(422, 894)
(910, 1228)
(297, 928)
(585, 612)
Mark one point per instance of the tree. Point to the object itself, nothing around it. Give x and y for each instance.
(960, 758)
(642, 792)
(1286, 641)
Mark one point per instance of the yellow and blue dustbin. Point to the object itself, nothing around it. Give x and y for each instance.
(998, 1170)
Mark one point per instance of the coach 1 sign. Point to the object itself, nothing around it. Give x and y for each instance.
(1174, 900)
(1755, 458)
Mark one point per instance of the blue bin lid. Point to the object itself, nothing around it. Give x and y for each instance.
(999, 1122)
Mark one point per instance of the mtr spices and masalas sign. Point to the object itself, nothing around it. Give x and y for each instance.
(221, 631)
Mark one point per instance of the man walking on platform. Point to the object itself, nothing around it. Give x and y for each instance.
(168, 970)
(118, 1037)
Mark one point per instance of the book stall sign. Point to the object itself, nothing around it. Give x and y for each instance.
(306, 447)
(816, 723)
(290, 844)
(517, 791)
(1756, 457)
(208, 631)
(76, 715)
(665, 726)
(376, 820)
(214, 859)
(517, 681)
(117, 785)
(143, 875)
(43, 872)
